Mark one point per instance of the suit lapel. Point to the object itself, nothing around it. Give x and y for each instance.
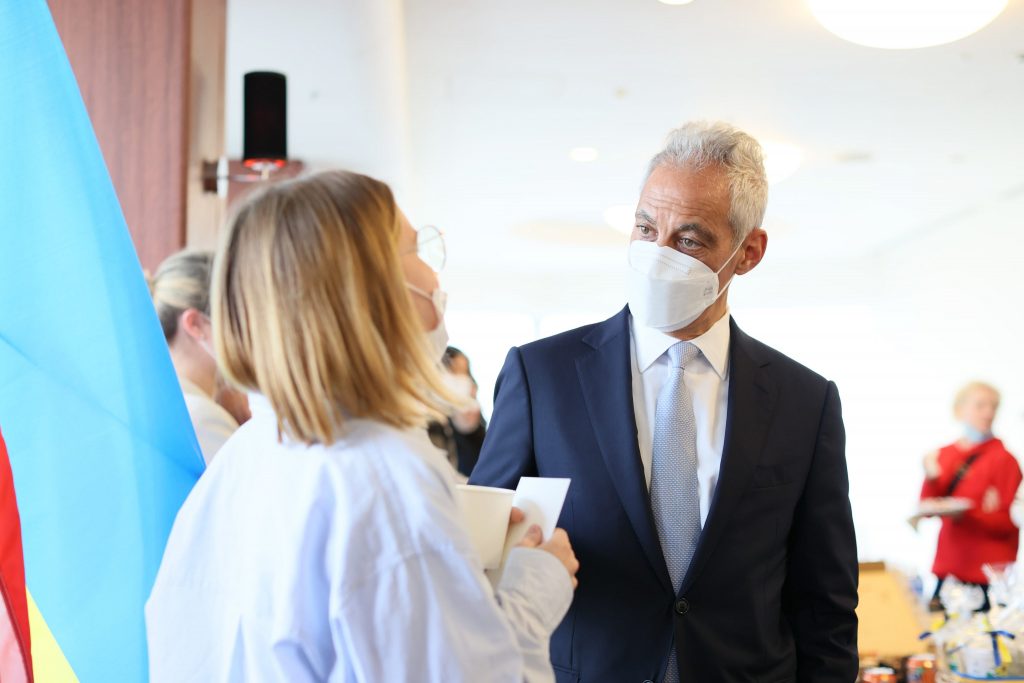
(607, 382)
(752, 394)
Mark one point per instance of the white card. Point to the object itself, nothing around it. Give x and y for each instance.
(541, 500)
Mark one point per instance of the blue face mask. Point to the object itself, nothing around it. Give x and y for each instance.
(974, 436)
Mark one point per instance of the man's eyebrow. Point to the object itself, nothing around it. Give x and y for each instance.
(697, 229)
(644, 216)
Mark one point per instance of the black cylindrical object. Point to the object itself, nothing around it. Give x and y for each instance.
(266, 123)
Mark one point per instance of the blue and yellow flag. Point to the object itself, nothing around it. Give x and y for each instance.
(100, 443)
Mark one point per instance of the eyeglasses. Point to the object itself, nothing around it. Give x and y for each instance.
(430, 247)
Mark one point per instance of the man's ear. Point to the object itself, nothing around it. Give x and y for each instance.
(752, 251)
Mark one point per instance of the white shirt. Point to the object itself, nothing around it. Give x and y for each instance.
(707, 380)
(212, 423)
(346, 562)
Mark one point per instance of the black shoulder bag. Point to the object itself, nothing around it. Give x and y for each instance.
(961, 471)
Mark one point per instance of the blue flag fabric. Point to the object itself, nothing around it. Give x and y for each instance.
(102, 449)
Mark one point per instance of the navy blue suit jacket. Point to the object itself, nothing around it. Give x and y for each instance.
(771, 590)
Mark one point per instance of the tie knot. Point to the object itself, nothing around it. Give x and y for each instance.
(682, 354)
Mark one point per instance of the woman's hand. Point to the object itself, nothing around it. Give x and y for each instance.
(990, 502)
(558, 545)
(931, 465)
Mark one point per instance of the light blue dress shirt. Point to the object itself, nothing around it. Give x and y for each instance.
(707, 380)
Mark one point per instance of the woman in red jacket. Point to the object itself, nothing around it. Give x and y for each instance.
(978, 468)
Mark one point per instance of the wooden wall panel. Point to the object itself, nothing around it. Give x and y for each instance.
(131, 59)
(205, 211)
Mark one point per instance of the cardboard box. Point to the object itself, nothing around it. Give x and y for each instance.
(891, 618)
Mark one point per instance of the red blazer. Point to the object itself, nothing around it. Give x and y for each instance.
(977, 537)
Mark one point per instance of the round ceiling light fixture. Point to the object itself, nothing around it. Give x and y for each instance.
(675, 2)
(904, 24)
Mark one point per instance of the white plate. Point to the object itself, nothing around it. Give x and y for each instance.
(943, 506)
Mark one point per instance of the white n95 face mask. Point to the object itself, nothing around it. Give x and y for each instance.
(438, 337)
(668, 290)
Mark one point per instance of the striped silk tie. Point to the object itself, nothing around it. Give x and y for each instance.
(674, 497)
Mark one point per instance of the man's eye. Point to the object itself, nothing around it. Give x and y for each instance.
(644, 230)
(687, 243)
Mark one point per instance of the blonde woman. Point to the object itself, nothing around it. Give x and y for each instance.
(324, 542)
(181, 295)
(978, 469)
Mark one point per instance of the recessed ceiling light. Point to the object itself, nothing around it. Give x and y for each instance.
(583, 154)
(854, 156)
(904, 24)
(781, 160)
(675, 2)
(621, 217)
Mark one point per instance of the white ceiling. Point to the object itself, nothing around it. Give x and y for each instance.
(501, 91)
(896, 144)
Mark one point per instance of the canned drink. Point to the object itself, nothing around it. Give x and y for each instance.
(879, 674)
(921, 669)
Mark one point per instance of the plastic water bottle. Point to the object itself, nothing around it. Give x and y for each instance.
(917, 586)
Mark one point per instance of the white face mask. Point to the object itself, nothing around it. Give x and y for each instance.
(668, 290)
(460, 385)
(438, 337)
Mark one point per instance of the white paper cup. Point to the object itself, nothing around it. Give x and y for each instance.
(485, 511)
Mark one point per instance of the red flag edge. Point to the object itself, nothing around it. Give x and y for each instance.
(12, 561)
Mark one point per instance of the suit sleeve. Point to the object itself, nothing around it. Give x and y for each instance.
(820, 594)
(507, 453)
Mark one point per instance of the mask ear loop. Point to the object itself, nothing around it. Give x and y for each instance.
(734, 252)
(733, 277)
(419, 291)
(438, 300)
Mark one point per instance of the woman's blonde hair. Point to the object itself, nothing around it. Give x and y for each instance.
(310, 308)
(968, 389)
(181, 282)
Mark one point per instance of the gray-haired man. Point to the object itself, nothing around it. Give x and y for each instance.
(709, 506)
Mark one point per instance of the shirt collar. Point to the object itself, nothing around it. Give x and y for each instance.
(190, 388)
(714, 345)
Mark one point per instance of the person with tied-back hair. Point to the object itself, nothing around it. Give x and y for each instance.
(181, 295)
(325, 543)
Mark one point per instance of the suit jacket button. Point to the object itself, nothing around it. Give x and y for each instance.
(682, 606)
(648, 681)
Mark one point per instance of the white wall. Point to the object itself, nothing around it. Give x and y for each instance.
(899, 329)
(356, 116)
